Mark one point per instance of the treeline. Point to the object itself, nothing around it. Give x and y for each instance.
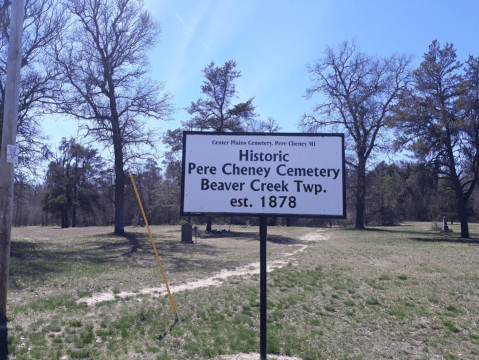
(79, 191)
(411, 191)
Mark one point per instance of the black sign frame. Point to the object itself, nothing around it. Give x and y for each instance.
(253, 214)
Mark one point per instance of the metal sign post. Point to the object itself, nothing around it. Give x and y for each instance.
(259, 174)
(262, 274)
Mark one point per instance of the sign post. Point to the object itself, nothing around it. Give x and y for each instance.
(258, 174)
(262, 285)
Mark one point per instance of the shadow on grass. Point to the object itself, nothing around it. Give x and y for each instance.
(28, 261)
(254, 236)
(435, 236)
(395, 230)
(233, 234)
(284, 240)
(135, 245)
(98, 254)
(448, 240)
(169, 329)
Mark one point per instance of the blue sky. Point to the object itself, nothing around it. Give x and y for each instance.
(273, 41)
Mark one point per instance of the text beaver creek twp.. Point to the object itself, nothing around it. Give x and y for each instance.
(281, 169)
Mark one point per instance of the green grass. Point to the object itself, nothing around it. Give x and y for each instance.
(358, 287)
(83, 294)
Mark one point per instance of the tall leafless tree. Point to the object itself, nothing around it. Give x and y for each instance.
(360, 91)
(270, 125)
(45, 20)
(105, 65)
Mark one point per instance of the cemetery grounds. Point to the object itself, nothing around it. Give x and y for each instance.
(405, 292)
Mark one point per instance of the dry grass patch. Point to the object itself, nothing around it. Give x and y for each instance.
(398, 292)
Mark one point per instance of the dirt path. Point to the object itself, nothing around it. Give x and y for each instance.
(254, 356)
(248, 270)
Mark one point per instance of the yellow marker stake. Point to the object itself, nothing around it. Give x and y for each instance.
(173, 305)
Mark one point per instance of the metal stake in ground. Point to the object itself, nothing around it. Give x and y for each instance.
(173, 305)
(262, 270)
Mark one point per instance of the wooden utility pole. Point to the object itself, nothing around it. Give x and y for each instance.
(9, 133)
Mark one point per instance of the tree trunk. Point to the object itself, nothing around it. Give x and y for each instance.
(119, 189)
(464, 227)
(16, 215)
(360, 194)
(74, 213)
(462, 212)
(208, 224)
(64, 216)
(74, 207)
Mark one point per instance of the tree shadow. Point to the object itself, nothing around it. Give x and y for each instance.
(254, 236)
(4, 341)
(471, 241)
(178, 256)
(285, 240)
(31, 261)
(392, 231)
(135, 245)
(28, 261)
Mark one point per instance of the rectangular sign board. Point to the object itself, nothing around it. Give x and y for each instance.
(12, 154)
(283, 174)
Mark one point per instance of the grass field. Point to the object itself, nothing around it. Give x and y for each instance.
(404, 292)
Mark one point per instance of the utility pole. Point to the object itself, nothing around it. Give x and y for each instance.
(7, 163)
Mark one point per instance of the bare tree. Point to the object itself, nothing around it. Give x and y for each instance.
(360, 91)
(104, 60)
(270, 125)
(45, 20)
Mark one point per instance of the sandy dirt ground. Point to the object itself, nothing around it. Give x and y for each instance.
(248, 270)
(253, 356)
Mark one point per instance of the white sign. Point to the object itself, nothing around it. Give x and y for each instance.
(12, 154)
(274, 174)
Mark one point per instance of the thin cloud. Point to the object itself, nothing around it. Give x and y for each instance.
(183, 46)
(188, 28)
(203, 43)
